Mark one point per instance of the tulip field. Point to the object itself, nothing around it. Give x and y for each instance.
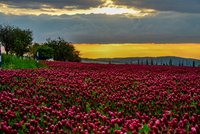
(85, 98)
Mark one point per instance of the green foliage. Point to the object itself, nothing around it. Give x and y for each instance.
(145, 129)
(15, 40)
(23, 39)
(14, 62)
(7, 37)
(33, 50)
(116, 127)
(54, 121)
(18, 41)
(88, 107)
(45, 52)
(63, 51)
(33, 116)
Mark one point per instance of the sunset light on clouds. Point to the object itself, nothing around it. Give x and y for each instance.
(108, 8)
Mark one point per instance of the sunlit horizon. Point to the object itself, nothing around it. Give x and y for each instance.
(93, 51)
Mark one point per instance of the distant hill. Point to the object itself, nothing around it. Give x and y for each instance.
(167, 60)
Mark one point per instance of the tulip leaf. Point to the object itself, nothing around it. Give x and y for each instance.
(54, 120)
(145, 129)
(88, 107)
(33, 116)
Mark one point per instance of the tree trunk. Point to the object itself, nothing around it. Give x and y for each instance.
(6, 49)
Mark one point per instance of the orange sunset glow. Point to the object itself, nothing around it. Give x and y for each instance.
(138, 50)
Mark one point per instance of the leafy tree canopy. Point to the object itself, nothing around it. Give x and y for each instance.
(45, 52)
(7, 37)
(15, 40)
(63, 51)
(23, 39)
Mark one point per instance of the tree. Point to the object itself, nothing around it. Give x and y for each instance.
(33, 50)
(170, 62)
(7, 37)
(45, 52)
(147, 62)
(193, 64)
(63, 51)
(152, 62)
(15, 40)
(138, 61)
(23, 39)
(179, 64)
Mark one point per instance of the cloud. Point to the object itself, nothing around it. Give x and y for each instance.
(183, 6)
(189, 6)
(37, 4)
(165, 27)
(52, 11)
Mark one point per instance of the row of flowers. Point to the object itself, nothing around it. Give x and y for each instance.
(95, 98)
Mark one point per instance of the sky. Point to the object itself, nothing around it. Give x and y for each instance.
(188, 50)
(109, 22)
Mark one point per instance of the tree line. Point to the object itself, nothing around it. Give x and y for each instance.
(170, 63)
(19, 42)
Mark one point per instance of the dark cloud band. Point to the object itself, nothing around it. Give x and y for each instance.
(161, 28)
(189, 6)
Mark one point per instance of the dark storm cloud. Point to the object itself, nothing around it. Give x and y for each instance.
(190, 6)
(36, 4)
(161, 28)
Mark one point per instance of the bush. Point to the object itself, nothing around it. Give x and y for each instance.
(45, 52)
(15, 62)
(63, 51)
